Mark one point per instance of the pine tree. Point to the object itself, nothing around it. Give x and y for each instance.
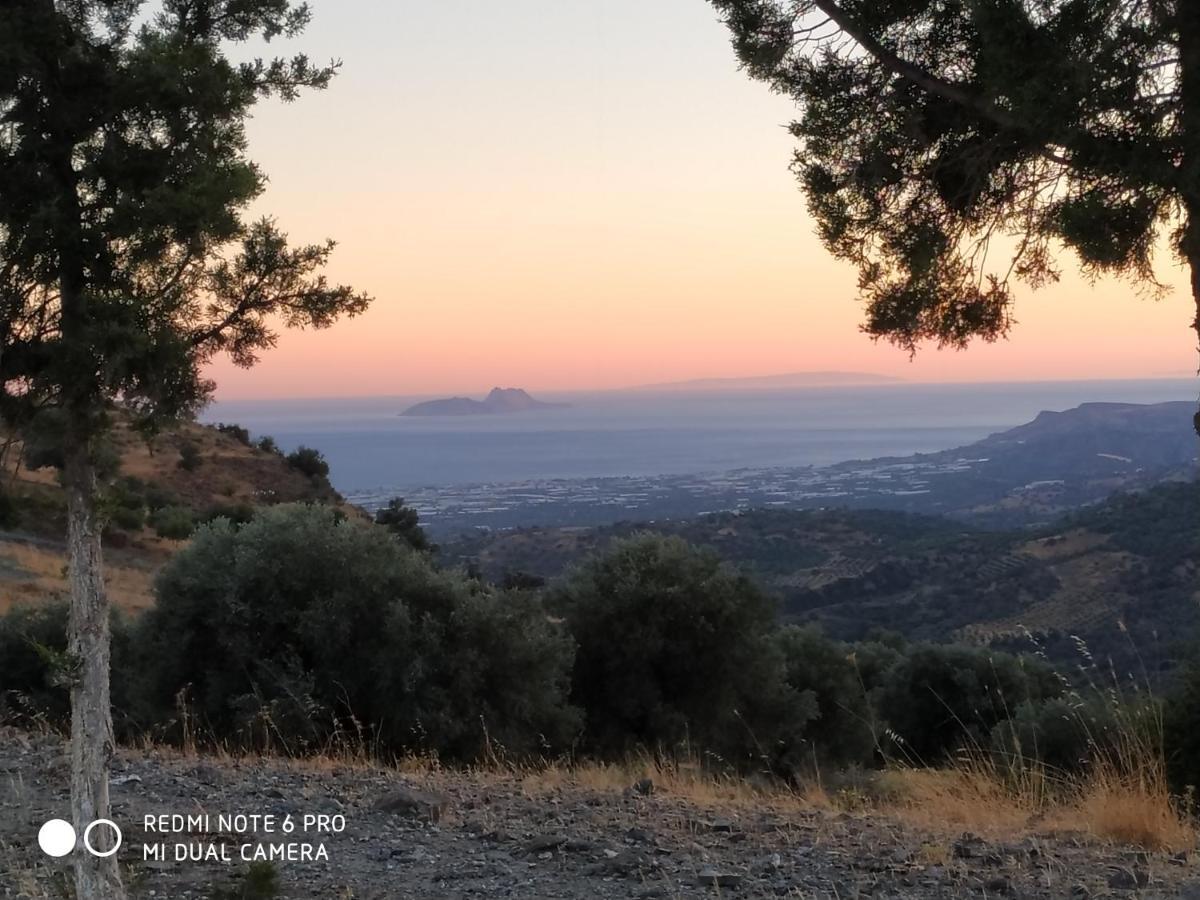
(127, 263)
(934, 131)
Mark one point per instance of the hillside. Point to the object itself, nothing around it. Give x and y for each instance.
(161, 488)
(1025, 476)
(1134, 559)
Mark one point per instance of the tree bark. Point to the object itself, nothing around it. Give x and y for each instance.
(1188, 26)
(92, 743)
(96, 878)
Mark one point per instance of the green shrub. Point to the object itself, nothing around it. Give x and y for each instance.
(287, 630)
(267, 444)
(189, 456)
(128, 518)
(173, 522)
(1068, 733)
(308, 461)
(939, 698)
(1181, 728)
(33, 665)
(35, 669)
(844, 731)
(674, 653)
(237, 513)
(157, 496)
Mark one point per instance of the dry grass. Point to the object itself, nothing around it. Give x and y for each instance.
(1122, 795)
(35, 575)
(687, 780)
(1128, 808)
(1105, 804)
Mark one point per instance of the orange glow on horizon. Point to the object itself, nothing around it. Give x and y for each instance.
(606, 209)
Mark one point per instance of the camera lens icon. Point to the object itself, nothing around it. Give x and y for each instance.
(57, 838)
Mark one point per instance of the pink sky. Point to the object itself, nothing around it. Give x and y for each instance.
(570, 197)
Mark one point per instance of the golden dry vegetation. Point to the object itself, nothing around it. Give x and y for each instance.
(32, 555)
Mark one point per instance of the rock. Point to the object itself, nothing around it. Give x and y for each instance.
(716, 826)
(627, 862)
(1129, 879)
(968, 846)
(414, 803)
(711, 877)
(544, 842)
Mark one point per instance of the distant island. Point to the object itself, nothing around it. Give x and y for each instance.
(787, 380)
(499, 401)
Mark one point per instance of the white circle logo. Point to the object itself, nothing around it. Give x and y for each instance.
(56, 838)
(87, 838)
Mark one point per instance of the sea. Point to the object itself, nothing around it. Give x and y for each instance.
(373, 450)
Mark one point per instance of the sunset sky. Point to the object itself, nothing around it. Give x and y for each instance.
(560, 194)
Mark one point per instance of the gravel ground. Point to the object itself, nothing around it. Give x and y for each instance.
(449, 836)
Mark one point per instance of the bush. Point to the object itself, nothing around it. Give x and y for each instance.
(237, 432)
(843, 732)
(189, 456)
(33, 644)
(673, 653)
(1069, 733)
(308, 461)
(267, 444)
(128, 518)
(1181, 728)
(175, 523)
(940, 698)
(237, 513)
(288, 629)
(156, 496)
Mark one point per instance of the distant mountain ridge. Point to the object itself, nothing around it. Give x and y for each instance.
(499, 401)
(786, 380)
(1027, 475)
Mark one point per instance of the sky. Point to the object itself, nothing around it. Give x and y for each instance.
(582, 194)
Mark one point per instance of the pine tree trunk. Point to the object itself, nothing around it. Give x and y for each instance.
(1189, 108)
(92, 741)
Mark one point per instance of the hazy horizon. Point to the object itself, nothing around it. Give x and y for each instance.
(482, 389)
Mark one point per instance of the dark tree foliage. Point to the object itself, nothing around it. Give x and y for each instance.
(674, 654)
(403, 521)
(235, 431)
(127, 263)
(941, 698)
(308, 461)
(300, 625)
(948, 148)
